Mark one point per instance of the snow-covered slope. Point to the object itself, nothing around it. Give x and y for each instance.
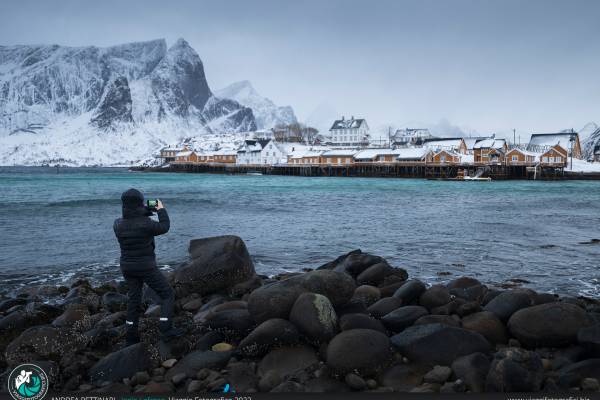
(106, 106)
(266, 113)
(589, 136)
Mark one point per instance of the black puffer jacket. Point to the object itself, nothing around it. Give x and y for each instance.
(136, 231)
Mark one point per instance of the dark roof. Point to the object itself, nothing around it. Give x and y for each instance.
(347, 123)
(263, 142)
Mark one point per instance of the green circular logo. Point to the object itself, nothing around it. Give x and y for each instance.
(27, 382)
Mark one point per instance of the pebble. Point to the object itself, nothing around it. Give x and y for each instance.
(85, 387)
(439, 374)
(169, 363)
(355, 382)
(203, 374)
(222, 347)
(371, 383)
(178, 378)
(194, 386)
(140, 378)
(590, 385)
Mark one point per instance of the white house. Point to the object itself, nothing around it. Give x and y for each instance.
(277, 153)
(349, 132)
(250, 152)
(410, 137)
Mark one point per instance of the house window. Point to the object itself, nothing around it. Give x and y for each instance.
(329, 160)
(443, 159)
(545, 159)
(558, 159)
(515, 158)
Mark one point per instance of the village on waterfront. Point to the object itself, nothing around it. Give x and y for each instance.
(406, 152)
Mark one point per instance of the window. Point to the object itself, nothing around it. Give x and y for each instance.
(545, 159)
(558, 159)
(515, 158)
(442, 158)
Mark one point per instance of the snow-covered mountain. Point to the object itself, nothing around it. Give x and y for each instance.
(589, 136)
(107, 106)
(267, 114)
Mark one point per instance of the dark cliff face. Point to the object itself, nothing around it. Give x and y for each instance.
(239, 116)
(179, 81)
(116, 105)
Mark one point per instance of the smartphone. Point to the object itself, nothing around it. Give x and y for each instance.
(152, 204)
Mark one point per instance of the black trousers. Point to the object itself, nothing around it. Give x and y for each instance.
(157, 282)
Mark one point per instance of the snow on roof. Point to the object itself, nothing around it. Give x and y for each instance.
(416, 153)
(450, 142)
(524, 152)
(340, 152)
(539, 140)
(470, 141)
(490, 143)
(347, 123)
(306, 153)
(449, 152)
(225, 152)
(369, 154)
(184, 153)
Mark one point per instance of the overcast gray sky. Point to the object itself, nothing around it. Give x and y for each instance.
(484, 65)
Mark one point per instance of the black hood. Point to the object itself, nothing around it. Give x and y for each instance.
(133, 204)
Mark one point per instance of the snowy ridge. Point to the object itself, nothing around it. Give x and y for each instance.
(106, 106)
(266, 113)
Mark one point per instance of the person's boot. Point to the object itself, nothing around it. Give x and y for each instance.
(168, 331)
(132, 337)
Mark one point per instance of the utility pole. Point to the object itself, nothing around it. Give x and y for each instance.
(514, 136)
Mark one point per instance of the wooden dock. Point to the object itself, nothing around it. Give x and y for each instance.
(379, 170)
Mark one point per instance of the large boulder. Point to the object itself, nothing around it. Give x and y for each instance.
(589, 338)
(275, 300)
(409, 291)
(270, 334)
(233, 322)
(366, 294)
(353, 263)
(197, 360)
(375, 274)
(362, 350)
(438, 343)
(217, 264)
(551, 324)
(515, 370)
(403, 317)
(360, 321)
(44, 343)
(572, 374)
(74, 314)
(488, 324)
(384, 306)
(284, 361)
(507, 303)
(472, 369)
(435, 296)
(121, 364)
(314, 316)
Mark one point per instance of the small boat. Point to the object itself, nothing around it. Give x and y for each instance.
(476, 178)
(253, 173)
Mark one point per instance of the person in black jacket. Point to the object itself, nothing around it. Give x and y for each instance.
(135, 232)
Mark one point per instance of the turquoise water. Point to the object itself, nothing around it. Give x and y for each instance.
(56, 227)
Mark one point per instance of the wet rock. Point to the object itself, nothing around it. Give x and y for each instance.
(507, 303)
(571, 375)
(487, 324)
(325, 384)
(439, 374)
(121, 364)
(490, 295)
(360, 321)
(384, 306)
(192, 305)
(74, 313)
(83, 295)
(114, 301)
(287, 360)
(468, 308)
(402, 378)
(197, 360)
(589, 339)
(388, 289)
(435, 296)
(352, 307)
(438, 344)
(438, 319)
(403, 317)
(217, 263)
(169, 363)
(409, 291)
(208, 340)
(515, 370)
(472, 369)
(178, 378)
(276, 300)
(270, 334)
(543, 298)
(375, 274)
(551, 324)
(13, 324)
(43, 343)
(353, 263)
(314, 316)
(355, 382)
(449, 308)
(241, 377)
(236, 322)
(289, 387)
(12, 302)
(269, 380)
(462, 283)
(222, 347)
(366, 294)
(240, 289)
(363, 350)
(590, 385)
(140, 378)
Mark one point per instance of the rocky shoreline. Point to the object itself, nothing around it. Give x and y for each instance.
(353, 324)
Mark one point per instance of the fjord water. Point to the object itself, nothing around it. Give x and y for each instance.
(56, 227)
